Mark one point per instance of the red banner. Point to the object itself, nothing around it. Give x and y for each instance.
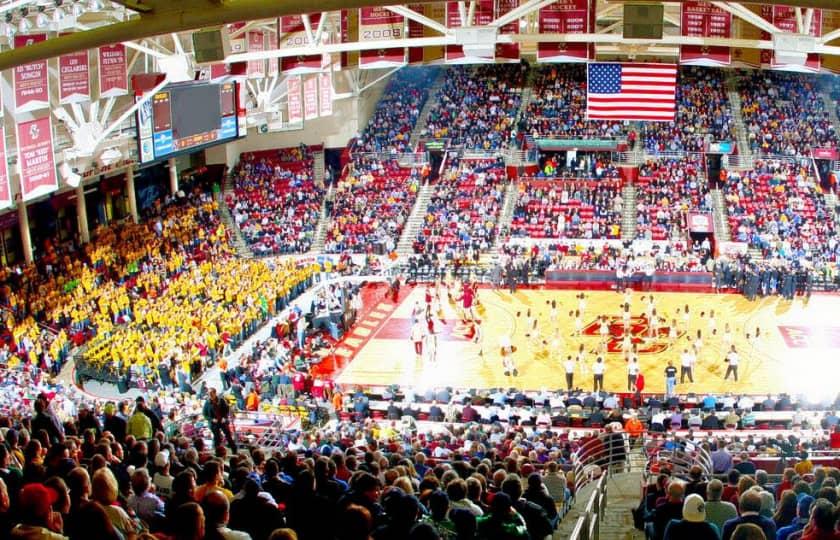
(483, 16)
(310, 98)
(326, 94)
(784, 17)
(702, 19)
(294, 37)
(293, 101)
(73, 77)
(271, 45)
(256, 68)
(36, 160)
(564, 17)
(507, 52)
(31, 85)
(380, 24)
(5, 186)
(113, 80)
(415, 30)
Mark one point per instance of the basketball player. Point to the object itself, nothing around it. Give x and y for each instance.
(431, 340)
(478, 337)
(417, 335)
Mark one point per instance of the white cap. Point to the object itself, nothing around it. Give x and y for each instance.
(694, 508)
(162, 458)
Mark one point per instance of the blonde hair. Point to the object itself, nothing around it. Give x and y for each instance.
(104, 487)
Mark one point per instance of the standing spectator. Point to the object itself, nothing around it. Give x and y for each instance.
(217, 413)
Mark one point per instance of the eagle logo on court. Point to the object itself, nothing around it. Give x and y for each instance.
(639, 331)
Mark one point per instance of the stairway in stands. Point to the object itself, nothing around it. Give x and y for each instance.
(527, 95)
(719, 218)
(505, 218)
(431, 101)
(831, 204)
(237, 240)
(323, 222)
(415, 221)
(737, 118)
(319, 170)
(628, 212)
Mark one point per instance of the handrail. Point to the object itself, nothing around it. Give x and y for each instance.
(598, 457)
(581, 529)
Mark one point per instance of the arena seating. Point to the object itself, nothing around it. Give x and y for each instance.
(389, 129)
(477, 106)
(779, 208)
(784, 113)
(703, 115)
(372, 204)
(666, 191)
(276, 203)
(558, 106)
(464, 208)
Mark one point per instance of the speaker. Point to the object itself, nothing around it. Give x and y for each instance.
(643, 21)
(211, 45)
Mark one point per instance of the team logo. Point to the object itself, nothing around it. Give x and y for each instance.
(641, 335)
(381, 53)
(705, 49)
(34, 132)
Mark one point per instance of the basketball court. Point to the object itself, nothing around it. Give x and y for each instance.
(796, 350)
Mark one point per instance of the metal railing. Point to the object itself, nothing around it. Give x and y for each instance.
(588, 524)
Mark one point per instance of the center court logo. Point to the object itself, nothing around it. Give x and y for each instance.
(640, 335)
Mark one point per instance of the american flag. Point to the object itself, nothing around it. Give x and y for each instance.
(631, 92)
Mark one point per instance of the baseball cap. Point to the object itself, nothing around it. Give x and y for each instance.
(36, 500)
(162, 458)
(694, 508)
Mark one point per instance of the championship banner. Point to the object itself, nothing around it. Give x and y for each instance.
(113, 77)
(564, 17)
(380, 24)
(5, 186)
(702, 19)
(256, 43)
(310, 98)
(484, 11)
(273, 63)
(36, 161)
(293, 101)
(507, 52)
(416, 30)
(294, 37)
(784, 17)
(73, 77)
(30, 83)
(326, 94)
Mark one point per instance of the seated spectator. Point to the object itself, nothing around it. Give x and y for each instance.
(669, 509)
(693, 524)
(718, 512)
(749, 506)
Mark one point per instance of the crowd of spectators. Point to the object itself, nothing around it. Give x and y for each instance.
(389, 129)
(558, 107)
(703, 115)
(784, 113)
(477, 107)
(667, 190)
(276, 202)
(372, 203)
(463, 210)
(779, 208)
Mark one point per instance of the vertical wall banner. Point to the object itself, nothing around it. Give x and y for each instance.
(36, 161)
(294, 37)
(5, 186)
(507, 52)
(325, 91)
(73, 77)
(293, 100)
(483, 16)
(379, 24)
(415, 30)
(30, 82)
(784, 17)
(564, 17)
(702, 19)
(271, 45)
(256, 43)
(310, 97)
(113, 77)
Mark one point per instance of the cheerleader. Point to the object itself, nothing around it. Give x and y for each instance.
(686, 317)
(582, 303)
(530, 323)
(625, 315)
(673, 332)
(626, 342)
(604, 328)
(507, 350)
(653, 324)
(578, 323)
(430, 340)
(554, 313)
(628, 296)
(698, 343)
(651, 308)
(712, 323)
(580, 358)
(727, 337)
(416, 312)
(478, 337)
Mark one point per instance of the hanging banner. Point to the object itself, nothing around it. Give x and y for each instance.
(507, 52)
(784, 17)
(271, 45)
(564, 17)
(36, 161)
(237, 43)
(30, 83)
(702, 19)
(294, 37)
(310, 98)
(256, 43)
(326, 93)
(5, 186)
(483, 16)
(73, 77)
(293, 101)
(380, 24)
(416, 30)
(113, 78)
